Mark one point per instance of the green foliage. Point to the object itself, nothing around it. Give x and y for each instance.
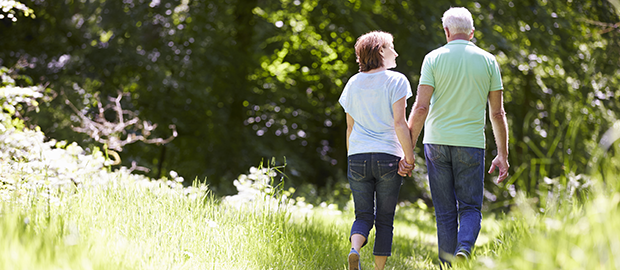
(563, 97)
(16, 100)
(248, 80)
(8, 10)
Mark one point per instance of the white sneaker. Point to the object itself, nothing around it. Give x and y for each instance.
(461, 256)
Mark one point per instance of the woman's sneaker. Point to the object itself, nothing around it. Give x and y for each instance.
(354, 260)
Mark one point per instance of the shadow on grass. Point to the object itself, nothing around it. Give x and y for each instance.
(322, 242)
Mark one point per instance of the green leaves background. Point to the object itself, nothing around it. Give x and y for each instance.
(244, 81)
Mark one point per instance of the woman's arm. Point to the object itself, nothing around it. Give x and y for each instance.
(402, 129)
(350, 123)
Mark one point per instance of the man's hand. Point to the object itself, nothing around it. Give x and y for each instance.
(404, 168)
(500, 162)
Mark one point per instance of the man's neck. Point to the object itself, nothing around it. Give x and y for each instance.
(459, 37)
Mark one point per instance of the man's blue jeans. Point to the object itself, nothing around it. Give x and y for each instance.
(456, 178)
(375, 183)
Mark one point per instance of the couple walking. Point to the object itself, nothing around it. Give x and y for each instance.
(456, 82)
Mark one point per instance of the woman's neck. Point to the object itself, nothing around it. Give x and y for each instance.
(375, 70)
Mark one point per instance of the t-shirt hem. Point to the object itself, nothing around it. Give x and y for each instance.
(456, 144)
(376, 151)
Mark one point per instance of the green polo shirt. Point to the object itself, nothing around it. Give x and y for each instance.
(462, 75)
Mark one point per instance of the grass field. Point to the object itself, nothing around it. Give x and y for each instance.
(129, 224)
(133, 226)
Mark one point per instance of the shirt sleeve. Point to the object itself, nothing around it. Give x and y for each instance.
(426, 76)
(402, 89)
(496, 77)
(343, 98)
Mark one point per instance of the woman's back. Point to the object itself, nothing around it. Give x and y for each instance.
(368, 98)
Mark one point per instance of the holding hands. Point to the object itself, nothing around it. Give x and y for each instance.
(404, 168)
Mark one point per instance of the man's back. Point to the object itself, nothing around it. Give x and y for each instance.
(457, 81)
(462, 76)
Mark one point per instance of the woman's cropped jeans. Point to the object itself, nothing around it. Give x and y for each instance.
(456, 178)
(375, 183)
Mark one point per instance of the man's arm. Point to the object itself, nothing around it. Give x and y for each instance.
(500, 131)
(420, 111)
(350, 123)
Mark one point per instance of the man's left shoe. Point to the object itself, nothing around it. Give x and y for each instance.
(461, 256)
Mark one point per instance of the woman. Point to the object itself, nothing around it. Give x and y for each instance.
(377, 139)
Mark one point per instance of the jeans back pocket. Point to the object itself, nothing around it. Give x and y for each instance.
(433, 152)
(471, 157)
(388, 169)
(357, 169)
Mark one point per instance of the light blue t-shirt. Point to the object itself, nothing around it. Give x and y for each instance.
(368, 98)
(462, 75)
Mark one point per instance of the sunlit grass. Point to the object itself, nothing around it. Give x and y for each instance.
(574, 236)
(573, 231)
(131, 227)
(128, 225)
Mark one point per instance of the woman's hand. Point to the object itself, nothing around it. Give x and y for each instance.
(404, 168)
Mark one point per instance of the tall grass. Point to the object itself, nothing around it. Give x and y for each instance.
(133, 227)
(576, 236)
(129, 224)
(576, 230)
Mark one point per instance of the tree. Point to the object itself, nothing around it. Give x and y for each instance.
(244, 81)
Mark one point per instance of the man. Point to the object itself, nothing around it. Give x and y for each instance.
(456, 83)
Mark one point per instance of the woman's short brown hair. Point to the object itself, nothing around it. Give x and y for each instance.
(368, 49)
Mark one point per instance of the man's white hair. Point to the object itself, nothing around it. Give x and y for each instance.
(458, 20)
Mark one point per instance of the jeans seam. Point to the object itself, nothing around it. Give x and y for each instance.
(469, 179)
(384, 180)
